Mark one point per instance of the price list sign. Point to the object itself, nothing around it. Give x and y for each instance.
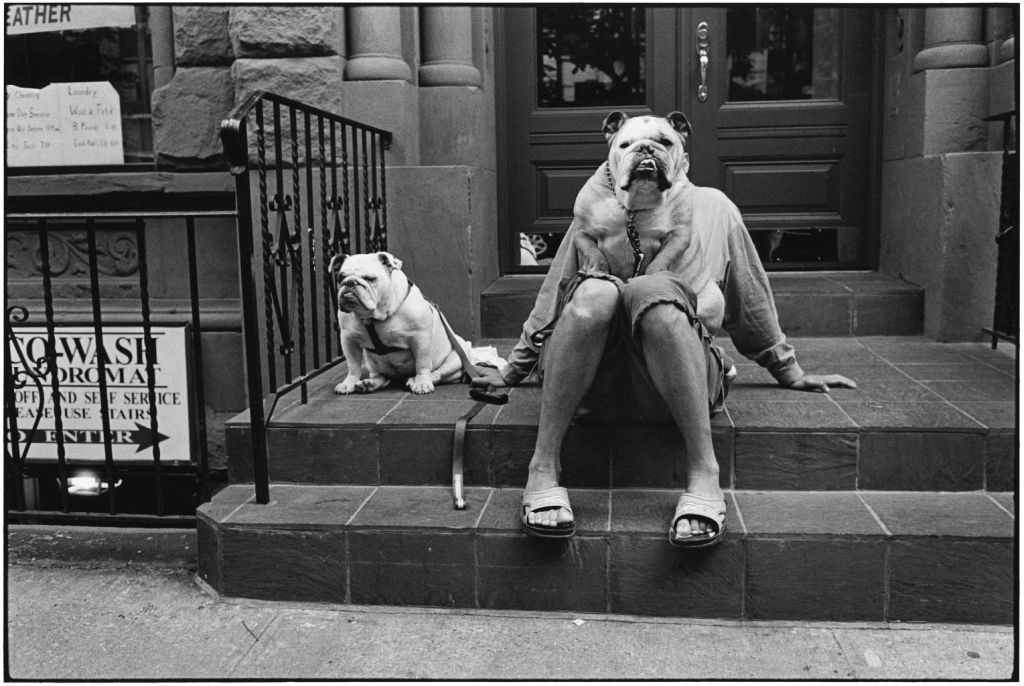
(64, 124)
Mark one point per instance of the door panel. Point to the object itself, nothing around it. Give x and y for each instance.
(785, 126)
(554, 145)
(784, 129)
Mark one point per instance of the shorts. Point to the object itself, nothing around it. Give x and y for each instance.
(622, 389)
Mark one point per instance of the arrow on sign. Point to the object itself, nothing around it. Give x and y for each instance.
(142, 436)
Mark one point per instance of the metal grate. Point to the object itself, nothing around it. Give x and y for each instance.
(156, 491)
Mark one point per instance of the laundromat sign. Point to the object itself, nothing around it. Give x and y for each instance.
(78, 373)
(22, 19)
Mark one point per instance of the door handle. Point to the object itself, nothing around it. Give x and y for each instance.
(702, 53)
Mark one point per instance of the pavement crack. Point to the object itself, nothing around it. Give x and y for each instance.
(251, 633)
(244, 657)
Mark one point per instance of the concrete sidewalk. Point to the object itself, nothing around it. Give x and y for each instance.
(108, 608)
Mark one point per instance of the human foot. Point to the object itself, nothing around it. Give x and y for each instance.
(702, 483)
(546, 511)
(698, 521)
(709, 512)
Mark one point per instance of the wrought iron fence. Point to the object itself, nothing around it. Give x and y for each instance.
(309, 185)
(65, 459)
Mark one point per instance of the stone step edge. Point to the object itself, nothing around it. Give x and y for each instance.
(646, 512)
(750, 460)
(784, 577)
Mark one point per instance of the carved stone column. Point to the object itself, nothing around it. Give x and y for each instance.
(953, 38)
(375, 45)
(447, 39)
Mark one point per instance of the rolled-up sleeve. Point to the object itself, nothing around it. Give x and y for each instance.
(750, 315)
(526, 352)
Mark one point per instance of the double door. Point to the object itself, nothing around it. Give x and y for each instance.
(780, 99)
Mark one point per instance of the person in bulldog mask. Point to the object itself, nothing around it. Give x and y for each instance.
(654, 267)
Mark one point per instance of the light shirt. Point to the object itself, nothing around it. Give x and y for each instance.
(720, 265)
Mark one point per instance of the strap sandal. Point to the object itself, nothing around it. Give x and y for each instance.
(547, 499)
(690, 506)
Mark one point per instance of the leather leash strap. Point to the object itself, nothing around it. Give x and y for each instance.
(482, 398)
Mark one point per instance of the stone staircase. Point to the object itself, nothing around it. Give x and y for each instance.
(892, 502)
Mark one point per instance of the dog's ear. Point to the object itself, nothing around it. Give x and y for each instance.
(389, 261)
(680, 123)
(612, 123)
(335, 265)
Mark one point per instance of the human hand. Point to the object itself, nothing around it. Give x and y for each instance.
(821, 383)
(489, 378)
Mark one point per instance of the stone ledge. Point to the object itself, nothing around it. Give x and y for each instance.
(68, 545)
(809, 304)
(795, 566)
(926, 416)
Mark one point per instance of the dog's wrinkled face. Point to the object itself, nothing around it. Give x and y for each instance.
(364, 282)
(646, 156)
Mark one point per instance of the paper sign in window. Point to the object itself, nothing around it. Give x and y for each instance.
(64, 124)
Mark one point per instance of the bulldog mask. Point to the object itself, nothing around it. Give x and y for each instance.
(636, 192)
(646, 157)
(389, 332)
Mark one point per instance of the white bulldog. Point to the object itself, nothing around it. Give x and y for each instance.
(389, 332)
(646, 175)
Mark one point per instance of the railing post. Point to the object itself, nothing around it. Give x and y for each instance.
(250, 321)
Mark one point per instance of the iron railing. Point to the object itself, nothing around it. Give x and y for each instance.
(315, 189)
(1006, 316)
(52, 440)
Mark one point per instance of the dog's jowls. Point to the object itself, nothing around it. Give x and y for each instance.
(374, 291)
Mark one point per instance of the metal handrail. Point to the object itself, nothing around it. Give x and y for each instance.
(297, 247)
(232, 131)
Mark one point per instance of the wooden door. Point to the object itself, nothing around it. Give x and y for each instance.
(784, 128)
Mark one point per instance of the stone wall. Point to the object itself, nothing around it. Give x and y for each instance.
(941, 161)
(425, 74)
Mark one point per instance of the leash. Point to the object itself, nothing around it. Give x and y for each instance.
(482, 398)
(378, 345)
(632, 233)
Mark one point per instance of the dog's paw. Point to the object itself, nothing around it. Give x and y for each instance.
(349, 385)
(421, 384)
(372, 384)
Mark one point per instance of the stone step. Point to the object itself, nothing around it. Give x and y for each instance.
(808, 303)
(926, 416)
(788, 555)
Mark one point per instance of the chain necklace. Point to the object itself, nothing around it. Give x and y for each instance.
(631, 231)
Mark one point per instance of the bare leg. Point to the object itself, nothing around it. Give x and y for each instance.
(675, 357)
(573, 354)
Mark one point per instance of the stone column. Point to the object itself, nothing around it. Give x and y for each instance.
(999, 33)
(375, 45)
(952, 38)
(161, 32)
(447, 39)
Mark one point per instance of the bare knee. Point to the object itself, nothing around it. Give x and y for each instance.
(595, 300)
(665, 321)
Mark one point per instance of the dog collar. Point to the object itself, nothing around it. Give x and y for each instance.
(632, 233)
(379, 348)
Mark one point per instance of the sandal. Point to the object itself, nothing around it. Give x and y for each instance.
(712, 509)
(544, 500)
